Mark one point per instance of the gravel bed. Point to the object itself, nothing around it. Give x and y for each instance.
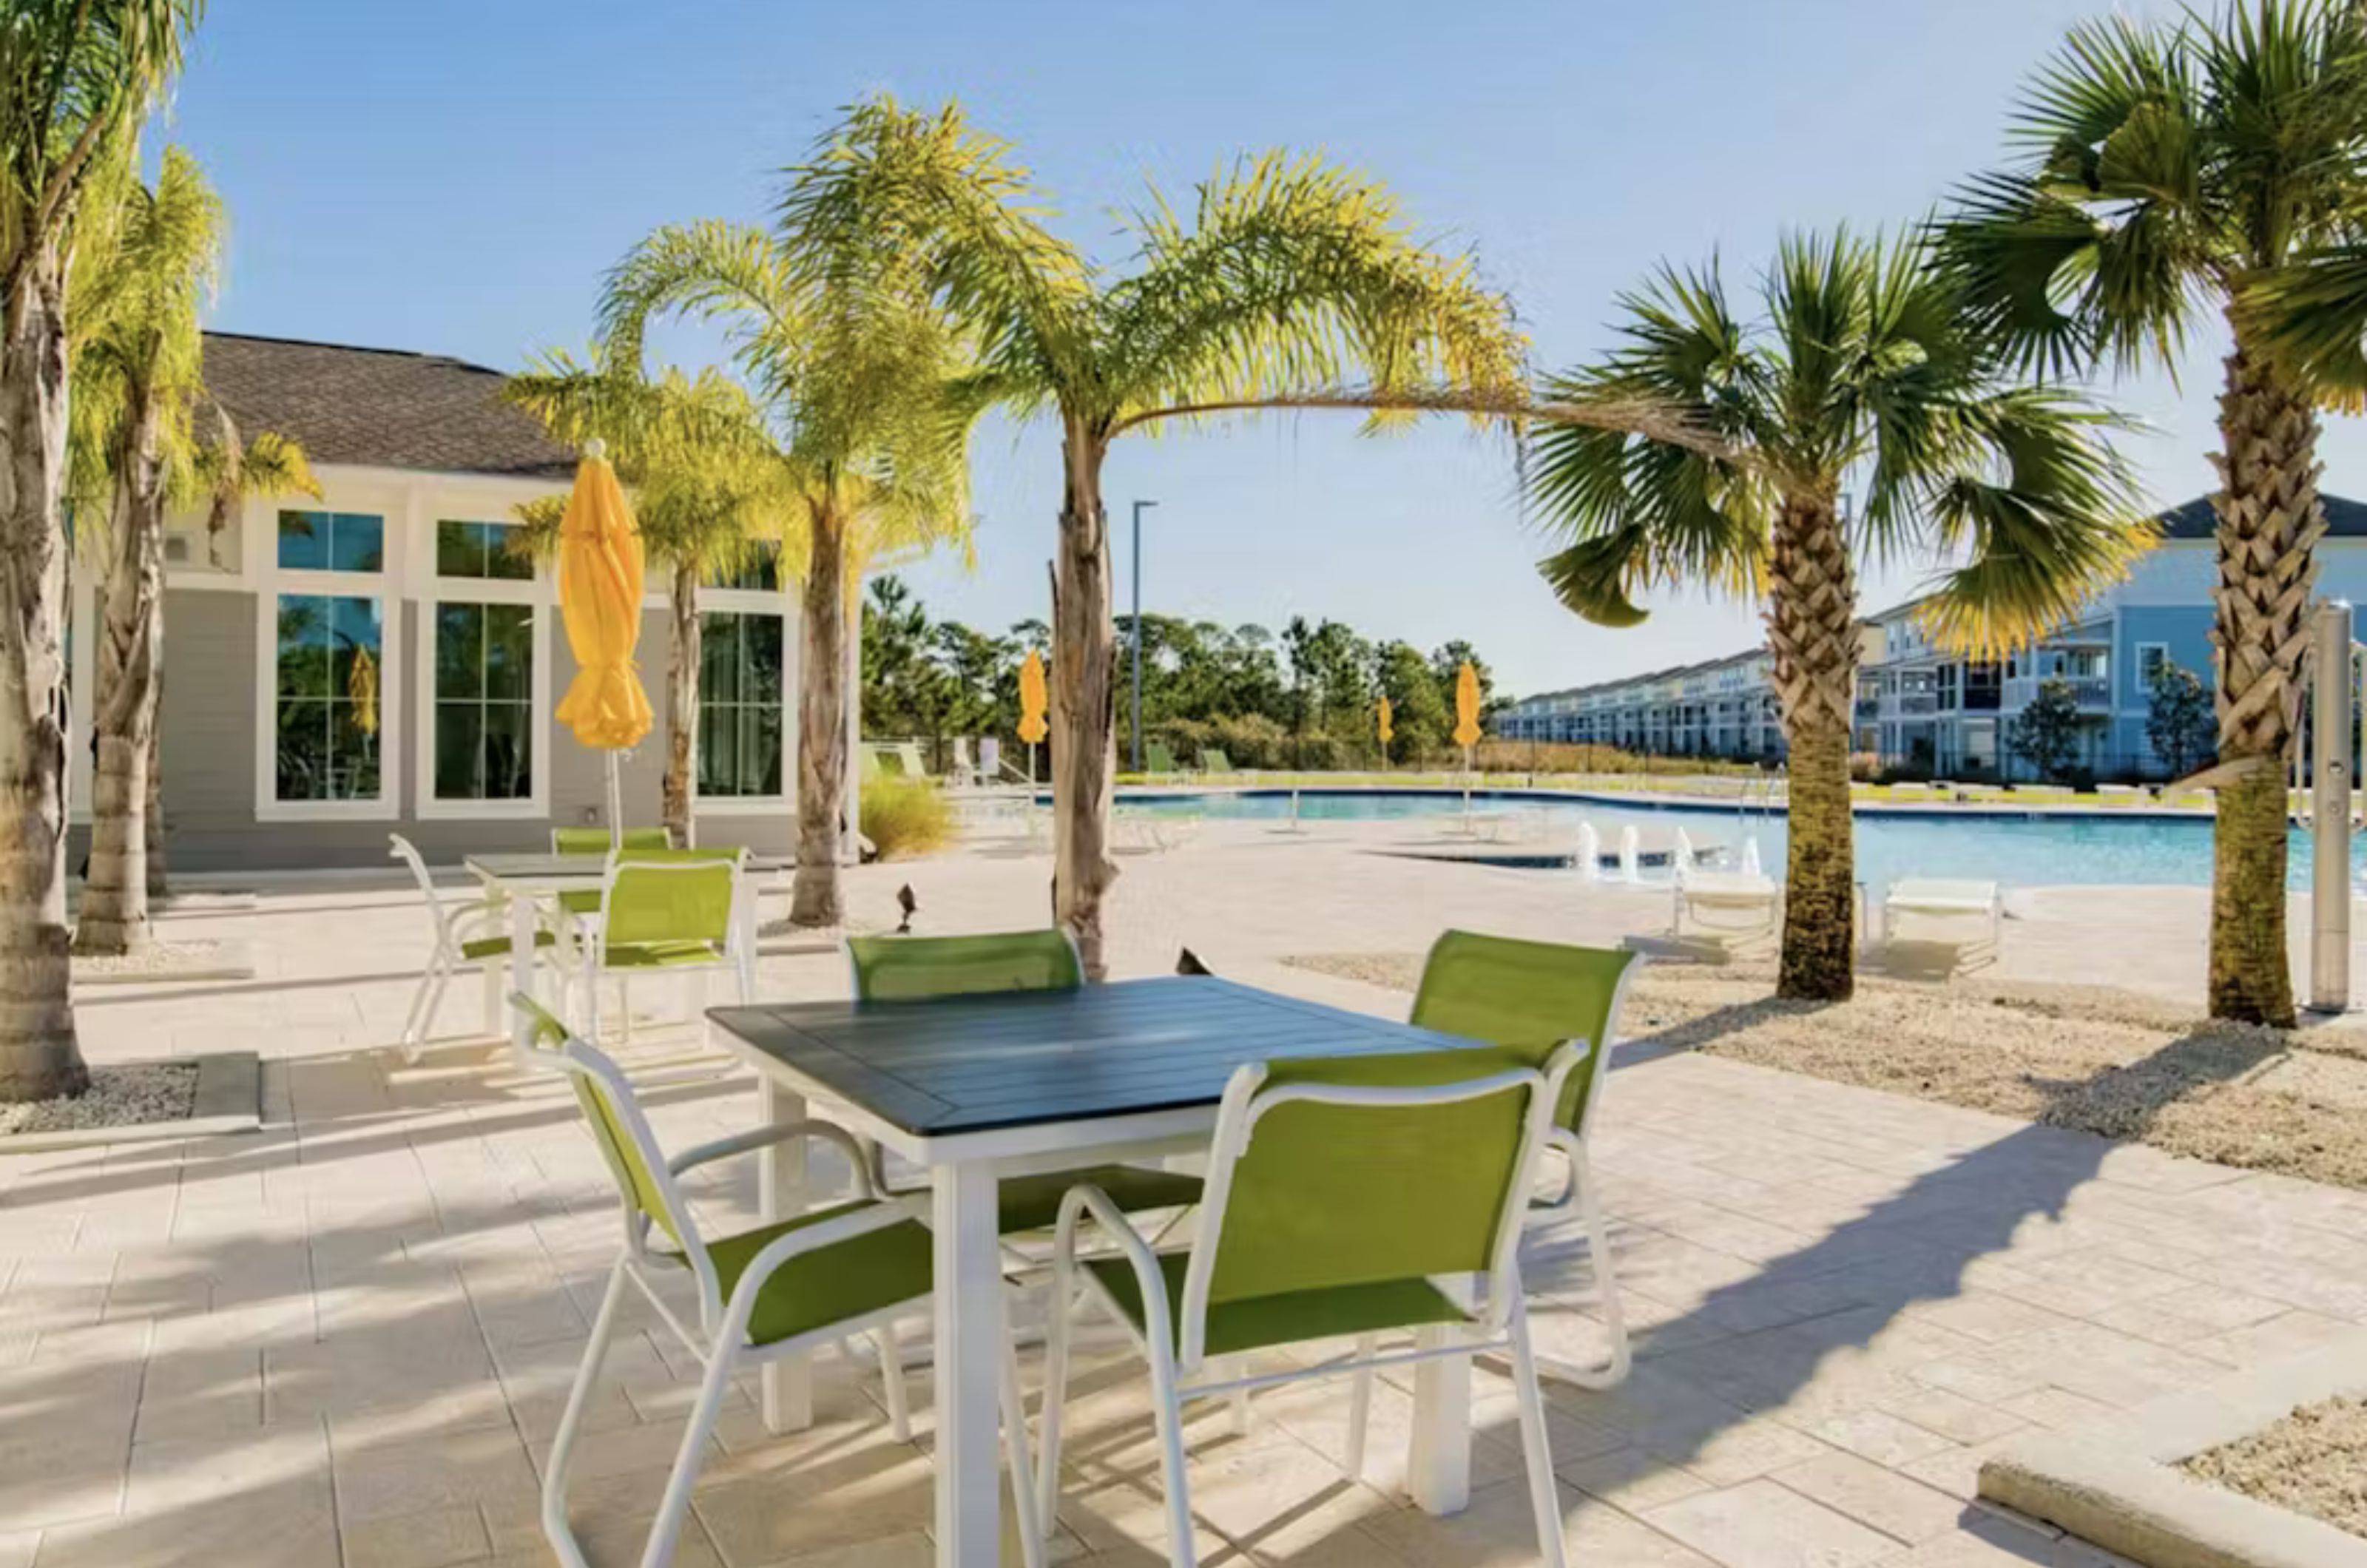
(2100, 1060)
(117, 1096)
(2313, 1462)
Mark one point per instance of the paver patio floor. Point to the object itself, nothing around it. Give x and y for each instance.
(345, 1340)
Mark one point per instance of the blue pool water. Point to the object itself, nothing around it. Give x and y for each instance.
(2017, 851)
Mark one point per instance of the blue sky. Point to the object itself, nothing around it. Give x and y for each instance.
(455, 178)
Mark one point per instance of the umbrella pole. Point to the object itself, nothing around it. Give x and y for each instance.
(615, 803)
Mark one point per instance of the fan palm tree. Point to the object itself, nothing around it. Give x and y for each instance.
(139, 277)
(2167, 170)
(1860, 370)
(710, 490)
(75, 76)
(1294, 284)
(858, 386)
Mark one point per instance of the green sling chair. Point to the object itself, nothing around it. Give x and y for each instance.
(1532, 996)
(668, 912)
(781, 1289)
(1368, 1179)
(910, 968)
(595, 841)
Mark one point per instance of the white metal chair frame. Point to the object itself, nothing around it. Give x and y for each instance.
(1582, 1194)
(732, 953)
(1181, 1368)
(463, 921)
(719, 1343)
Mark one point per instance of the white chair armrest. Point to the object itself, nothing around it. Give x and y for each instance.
(775, 1132)
(1087, 1200)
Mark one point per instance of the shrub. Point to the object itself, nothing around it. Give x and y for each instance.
(905, 817)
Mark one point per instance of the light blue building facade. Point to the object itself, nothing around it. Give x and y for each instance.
(1921, 709)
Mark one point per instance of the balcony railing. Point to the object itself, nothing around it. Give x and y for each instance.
(2086, 691)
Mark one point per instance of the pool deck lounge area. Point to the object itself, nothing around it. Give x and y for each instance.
(344, 1339)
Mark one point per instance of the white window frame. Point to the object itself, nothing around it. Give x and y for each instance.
(386, 806)
(440, 590)
(783, 604)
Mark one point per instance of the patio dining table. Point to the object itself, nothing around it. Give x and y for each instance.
(975, 1088)
(522, 879)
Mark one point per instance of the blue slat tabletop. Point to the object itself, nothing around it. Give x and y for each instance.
(1028, 1059)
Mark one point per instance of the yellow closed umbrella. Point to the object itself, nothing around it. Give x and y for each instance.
(1467, 727)
(1388, 731)
(601, 572)
(1466, 705)
(1034, 699)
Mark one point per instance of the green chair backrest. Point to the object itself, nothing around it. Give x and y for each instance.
(1312, 1187)
(1529, 995)
(1214, 762)
(907, 968)
(1157, 758)
(611, 1115)
(665, 895)
(594, 841)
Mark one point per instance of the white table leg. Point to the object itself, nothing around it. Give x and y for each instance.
(1438, 1460)
(781, 1194)
(969, 1350)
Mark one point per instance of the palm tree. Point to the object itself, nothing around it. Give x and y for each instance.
(859, 387)
(710, 490)
(1295, 284)
(75, 76)
(2165, 170)
(141, 275)
(1861, 370)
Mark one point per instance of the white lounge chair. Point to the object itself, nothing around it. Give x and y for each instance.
(1732, 905)
(1941, 900)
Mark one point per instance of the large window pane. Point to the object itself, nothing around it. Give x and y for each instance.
(331, 671)
(331, 541)
(480, 550)
(741, 701)
(484, 702)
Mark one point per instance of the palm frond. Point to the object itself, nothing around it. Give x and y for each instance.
(2313, 315)
(1294, 273)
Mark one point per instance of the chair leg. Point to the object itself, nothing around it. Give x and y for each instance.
(1614, 1370)
(1181, 1550)
(1239, 1400)
(563, 1444)
(675, 1506)
(623, 1010)
(1057, 1311)
(1360, 1405)
(413, 1031)
(1536, 1453)
(1030, 1520)
(892, 1382)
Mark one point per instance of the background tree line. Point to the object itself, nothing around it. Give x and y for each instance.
(1306, 697)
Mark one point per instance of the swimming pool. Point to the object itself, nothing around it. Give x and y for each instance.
(2019, 851)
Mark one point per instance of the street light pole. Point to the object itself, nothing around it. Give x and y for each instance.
(1137, 631)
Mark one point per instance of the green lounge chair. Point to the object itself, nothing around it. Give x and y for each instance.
(1368, 1177)
(781, 1289)
(668, 912)
(1532, 997)
(1213, 761)
(909, 968)
(1158, 761)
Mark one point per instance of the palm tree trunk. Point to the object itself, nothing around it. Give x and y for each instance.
(152, 820)
(39, 1055)
(682, 708)
(1812, 632)
(1084, 695)
(814, 896)
(114, 916)
(2270, 521)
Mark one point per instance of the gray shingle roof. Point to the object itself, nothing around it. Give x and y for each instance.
(379, 407)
